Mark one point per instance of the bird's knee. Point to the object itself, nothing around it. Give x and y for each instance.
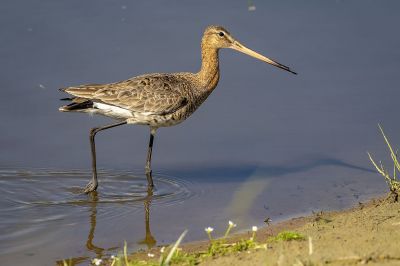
(93, 132)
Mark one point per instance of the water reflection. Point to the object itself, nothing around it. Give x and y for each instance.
(94, 198)
(60, 223)
(102, 252)
(148, 240)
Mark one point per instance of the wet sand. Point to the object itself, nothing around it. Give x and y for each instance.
(367, 233)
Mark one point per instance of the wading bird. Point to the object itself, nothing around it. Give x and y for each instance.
(158, 99)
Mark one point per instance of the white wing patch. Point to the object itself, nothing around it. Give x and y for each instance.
(113, 111)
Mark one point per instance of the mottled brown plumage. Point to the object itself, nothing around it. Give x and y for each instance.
(159, 99)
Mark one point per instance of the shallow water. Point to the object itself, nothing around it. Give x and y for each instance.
(265, 144)
(46, 218)
(43, 209)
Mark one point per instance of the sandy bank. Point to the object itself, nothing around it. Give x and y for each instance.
(365, 234)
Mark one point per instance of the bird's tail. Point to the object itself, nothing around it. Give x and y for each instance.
(78, 104)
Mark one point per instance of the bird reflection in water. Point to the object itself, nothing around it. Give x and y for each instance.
(148, 240)
(100, 252)
(94, 198)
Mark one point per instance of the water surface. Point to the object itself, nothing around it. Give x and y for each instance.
(46, 218)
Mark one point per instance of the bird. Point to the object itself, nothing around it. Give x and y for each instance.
(157, 99)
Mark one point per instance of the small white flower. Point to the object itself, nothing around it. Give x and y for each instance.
(96, 262)
(254, 228)
(209, 229)
(113, 257)
(232, 224)
(162, 249)
(151, 255)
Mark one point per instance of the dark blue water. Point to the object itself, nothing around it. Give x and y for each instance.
(265, 144)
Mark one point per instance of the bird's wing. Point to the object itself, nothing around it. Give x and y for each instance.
(151, 94)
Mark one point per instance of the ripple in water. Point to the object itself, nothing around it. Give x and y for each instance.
(48, 187)
(34, 201)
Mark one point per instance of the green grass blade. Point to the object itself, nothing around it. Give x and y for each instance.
(376, 166)
(126, 254)
(392, 153)
(176, 245)
(381, 170)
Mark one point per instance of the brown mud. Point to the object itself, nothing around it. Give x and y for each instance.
(365, 234)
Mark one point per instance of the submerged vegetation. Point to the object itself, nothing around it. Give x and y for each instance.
(391, 180)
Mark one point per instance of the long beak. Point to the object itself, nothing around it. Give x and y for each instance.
(241, 48)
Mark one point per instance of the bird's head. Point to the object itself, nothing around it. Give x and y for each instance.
(216, 37)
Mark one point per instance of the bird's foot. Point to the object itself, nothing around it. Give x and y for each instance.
(90, 187)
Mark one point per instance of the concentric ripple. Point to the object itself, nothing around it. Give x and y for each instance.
(49, 187)
(34, 201)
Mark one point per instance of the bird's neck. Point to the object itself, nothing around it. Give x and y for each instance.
(209, 72)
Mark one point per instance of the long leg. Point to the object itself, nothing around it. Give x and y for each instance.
(92, 185)
(148, 161)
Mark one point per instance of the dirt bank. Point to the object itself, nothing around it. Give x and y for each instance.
(366, 234)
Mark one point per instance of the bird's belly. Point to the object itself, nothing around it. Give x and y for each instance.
(156, 120)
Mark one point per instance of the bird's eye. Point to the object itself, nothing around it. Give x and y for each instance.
(221, 34)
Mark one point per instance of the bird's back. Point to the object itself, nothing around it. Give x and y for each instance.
(144, 99)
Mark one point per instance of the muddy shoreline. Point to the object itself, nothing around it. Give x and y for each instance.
(366, 233)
